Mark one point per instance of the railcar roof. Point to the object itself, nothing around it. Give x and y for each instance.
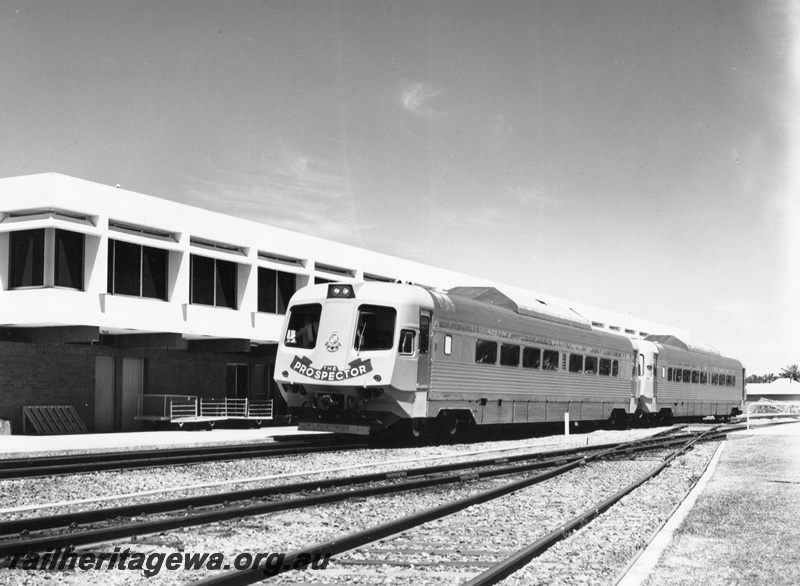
(530, 307)
(667, 340)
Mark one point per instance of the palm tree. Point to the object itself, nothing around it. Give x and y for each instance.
(792, 372)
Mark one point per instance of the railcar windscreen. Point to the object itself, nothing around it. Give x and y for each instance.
(303, 326)
(375, 328)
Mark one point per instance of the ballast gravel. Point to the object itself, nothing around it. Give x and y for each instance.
(594, 555)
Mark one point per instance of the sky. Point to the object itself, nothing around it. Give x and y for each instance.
(638, 156)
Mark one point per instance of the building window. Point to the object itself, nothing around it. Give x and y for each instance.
(275, 288)
(139, 271)
(69, 259)
(213, 282)
(27, 256)
(26, 259)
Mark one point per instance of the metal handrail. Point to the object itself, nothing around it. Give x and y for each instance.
(776, 408)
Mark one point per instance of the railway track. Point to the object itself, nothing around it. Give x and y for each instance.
(70, 530)
(427, 545)
(102, 461)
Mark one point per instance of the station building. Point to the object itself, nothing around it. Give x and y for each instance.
(109, 296)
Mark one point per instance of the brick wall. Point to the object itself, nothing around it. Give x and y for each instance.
(34, 374)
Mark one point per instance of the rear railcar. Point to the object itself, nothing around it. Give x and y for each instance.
(695, 381)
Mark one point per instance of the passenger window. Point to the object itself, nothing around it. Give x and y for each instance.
(406, 342)
(605, 367)
(531, 358)
(703, 378)
(575, 363)
(485, 352)
(678, 378)
(448, 344)
(550, 360)
(687, 376)
(615, 368)
(509, 355)
(714, 379)
(695, 376)
(303, 326)
(591, 365)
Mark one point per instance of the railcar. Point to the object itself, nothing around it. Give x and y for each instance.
(366, 357)
(682, 379)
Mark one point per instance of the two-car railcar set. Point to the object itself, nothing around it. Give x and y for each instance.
(364, 357)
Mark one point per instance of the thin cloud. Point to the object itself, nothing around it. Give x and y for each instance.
(299, 191)
(416, 99)
(532, 196)
(500, 131)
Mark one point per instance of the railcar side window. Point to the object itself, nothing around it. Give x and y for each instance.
(590, 366)
(575, 363)
(687, 376)
(714, 379)
(485, 352)
(550, 361)
(677, 377)
(615, 368)
(406, 342)
(303, 326)
(509, 355)
(375, 328)
(531, 358)
(703, 378)
(605, 366)
(695, 376)
(448, 344)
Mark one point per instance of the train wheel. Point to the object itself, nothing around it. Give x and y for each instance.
(415, 428)
(618, 419)
(451, 425)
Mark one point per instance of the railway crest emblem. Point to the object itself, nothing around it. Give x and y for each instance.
(333, 343)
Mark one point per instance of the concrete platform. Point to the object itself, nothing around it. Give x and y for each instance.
(16, 446)
(741, 523)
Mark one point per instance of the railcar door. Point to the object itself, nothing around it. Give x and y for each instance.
(645, 375)
(424, 354)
